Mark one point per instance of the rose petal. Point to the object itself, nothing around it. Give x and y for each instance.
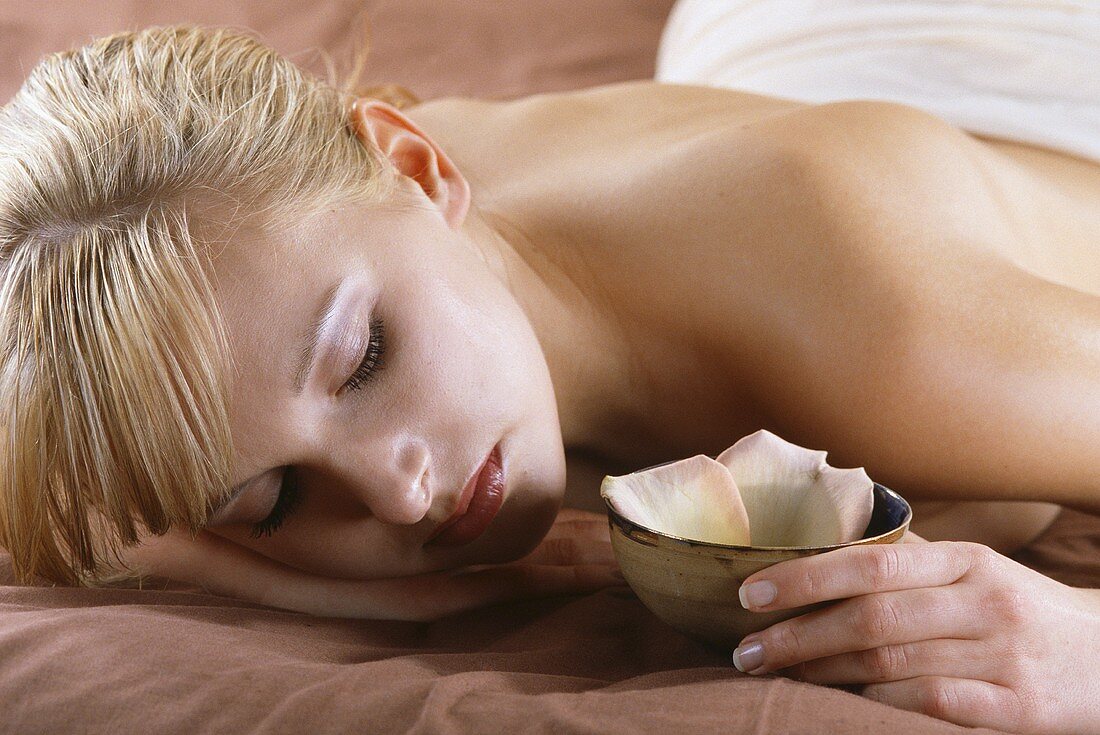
(838, 508)
(693, 498)
(793, 497)
(774, 477)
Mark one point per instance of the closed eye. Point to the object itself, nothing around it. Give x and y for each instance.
(372, 360)
(290, 495)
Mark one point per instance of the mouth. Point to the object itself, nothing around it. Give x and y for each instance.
(481, 500)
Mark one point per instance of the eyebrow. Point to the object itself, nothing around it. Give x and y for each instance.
(308, 353)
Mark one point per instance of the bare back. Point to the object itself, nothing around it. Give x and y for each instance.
(697, 216)
(516, 147)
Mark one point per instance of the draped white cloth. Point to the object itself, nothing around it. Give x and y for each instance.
(1024, 70)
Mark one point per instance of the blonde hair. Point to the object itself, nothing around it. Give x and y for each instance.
(114, 364)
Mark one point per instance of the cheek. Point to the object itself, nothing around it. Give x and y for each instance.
(258, 389)
(257, 436)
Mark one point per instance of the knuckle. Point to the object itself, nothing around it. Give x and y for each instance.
(797, 671)
(1013, 668)
(558, 550)
(885, 663)
(1018, 662)
(1009, 604)
(876, 693)
(1029, 712)
(784, 644)
(813, 583)
(937, 698)
(876, 620)
(881, 566)
(982, 558)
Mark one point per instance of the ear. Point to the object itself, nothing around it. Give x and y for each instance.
(415, 155)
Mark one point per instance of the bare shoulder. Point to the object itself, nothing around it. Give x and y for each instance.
(868, 123)
(901, 196)
(876, 168)
(807, 228)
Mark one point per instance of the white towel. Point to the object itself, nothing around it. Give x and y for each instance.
(1024, 70)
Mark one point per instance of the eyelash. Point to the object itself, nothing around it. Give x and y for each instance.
(289, 497)
(290, 493)
(372, 361)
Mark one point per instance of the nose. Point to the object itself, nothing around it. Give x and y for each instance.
(393, 485)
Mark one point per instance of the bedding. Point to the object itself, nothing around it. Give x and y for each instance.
(173, 659)
(176, 660)
(999, 68)
(434, 48)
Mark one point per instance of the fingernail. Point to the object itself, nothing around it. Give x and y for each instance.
(748, 658)
(750, 638)
(756, 594)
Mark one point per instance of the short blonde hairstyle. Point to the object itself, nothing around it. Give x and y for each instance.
(114, 363)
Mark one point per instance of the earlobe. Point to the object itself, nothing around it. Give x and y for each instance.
(413, 154)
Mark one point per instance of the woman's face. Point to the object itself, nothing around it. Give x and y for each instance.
(379, 461)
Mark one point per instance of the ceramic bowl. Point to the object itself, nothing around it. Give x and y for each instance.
(692, 585)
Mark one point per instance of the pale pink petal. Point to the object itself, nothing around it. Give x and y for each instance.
(793, 497)
(774, 477)
(693, 498)
(838, 508)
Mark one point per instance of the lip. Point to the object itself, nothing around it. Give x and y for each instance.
(478, 505)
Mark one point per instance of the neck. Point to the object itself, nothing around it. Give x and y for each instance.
(597, 382)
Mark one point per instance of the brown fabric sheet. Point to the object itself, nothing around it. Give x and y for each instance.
(483, 48)
(178, 661)
(76, 660)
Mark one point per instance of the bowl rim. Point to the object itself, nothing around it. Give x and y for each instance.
(627, 526)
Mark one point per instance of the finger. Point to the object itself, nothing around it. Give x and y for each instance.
(585, 528)
(513, 582)
(857, 570)
(860, 623)
(938, 657)
(576, 537)
(576, 514)
(571, 550)
(965, 702)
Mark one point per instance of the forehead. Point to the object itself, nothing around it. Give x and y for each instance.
(349, 234)
(256, 249)
(270, 283)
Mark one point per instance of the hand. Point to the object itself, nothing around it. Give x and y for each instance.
(950, 629)
(574, 557)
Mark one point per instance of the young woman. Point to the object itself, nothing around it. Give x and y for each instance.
(260, 335)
